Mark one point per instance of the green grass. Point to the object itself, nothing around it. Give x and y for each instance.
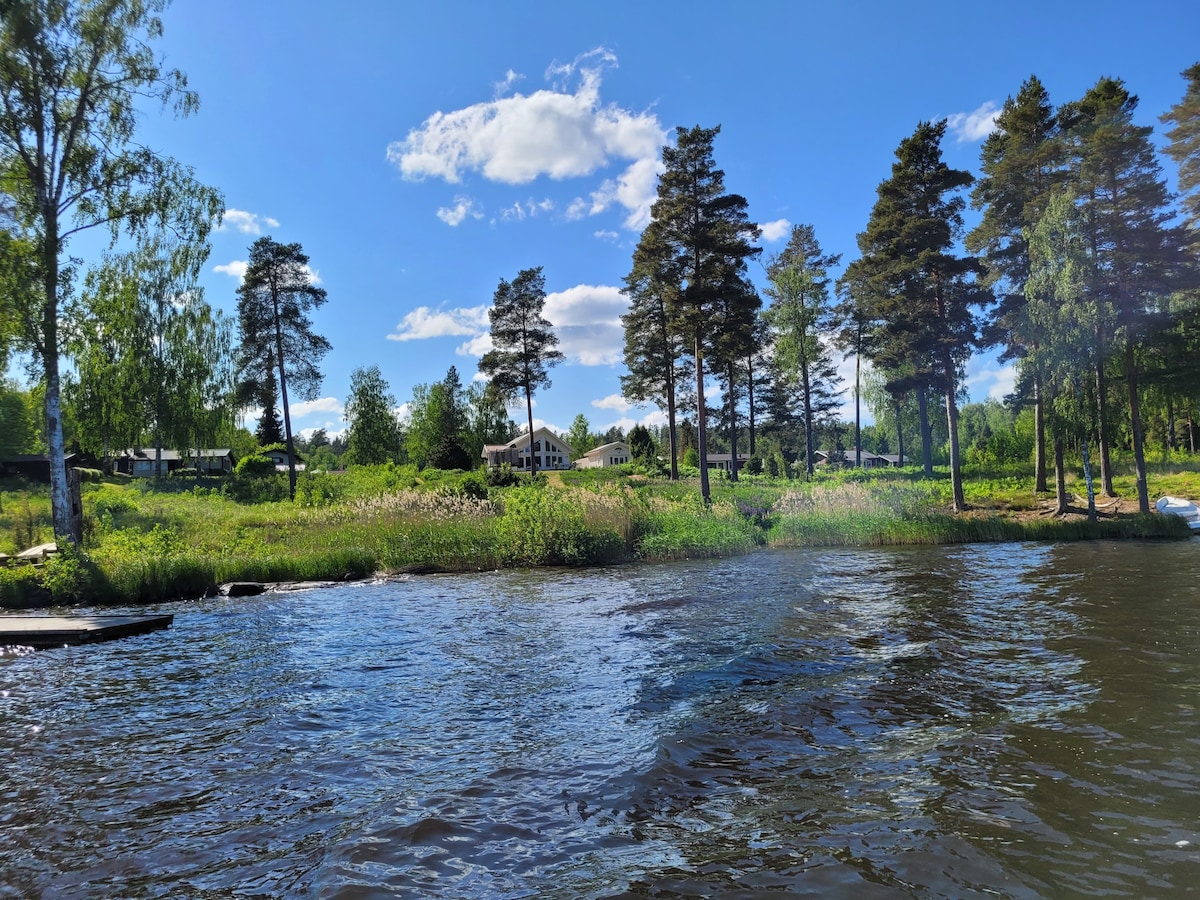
(143, 543)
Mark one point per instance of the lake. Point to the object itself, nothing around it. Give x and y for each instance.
(1005, 719)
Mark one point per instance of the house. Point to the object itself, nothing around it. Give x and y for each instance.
(32, 466)
(612, 454)
(143, 463)
(551, 451)
(724, 461)
(280, 457)
(891, 459)
(212, 462)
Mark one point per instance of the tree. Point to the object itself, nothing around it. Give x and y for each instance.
(370, 412)
(439, 424)
(73, 78)
(274, 300)
(654, 350)
(699, 239)
(1022, 164)
(172, 360)
(915, 285)
(17, 433)
(799, 317)
(488, 421)
(641, 447)
(1184, 146)
(1137, 256)
(270, 426)
(523, 343)
(579, 436)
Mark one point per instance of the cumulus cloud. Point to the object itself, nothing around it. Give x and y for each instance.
(565, 131)
(321, 405)
(610, 236)
(246, 222)
(454, 215)
(586, 319)
(425, 322)
(237, 268)
(775, 231)
(968, 128)
(614, 402)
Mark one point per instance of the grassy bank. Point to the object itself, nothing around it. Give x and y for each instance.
(151, 542)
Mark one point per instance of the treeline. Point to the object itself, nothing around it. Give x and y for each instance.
(1082, 270)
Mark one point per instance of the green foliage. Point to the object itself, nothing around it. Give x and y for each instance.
(374, 431)
(254, 466)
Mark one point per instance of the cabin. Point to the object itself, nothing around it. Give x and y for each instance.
(279, 456)
(32, 466)
(724, 461)
(550, 452)
(220, 461)
(615, 453)
(143, 463)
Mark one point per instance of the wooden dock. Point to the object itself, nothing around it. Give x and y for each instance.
(55, 631)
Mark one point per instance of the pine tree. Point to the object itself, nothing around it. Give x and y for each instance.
(799, 316)
(702, 238)
(915, 285)
(1136, 254)
(274, 301)
(523, 343)
(1022, 164)
(1184, 147)
(270, 427)
(654, 350)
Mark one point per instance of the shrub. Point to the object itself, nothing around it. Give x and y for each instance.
(254, 466)
(89, 476)
(502, 476)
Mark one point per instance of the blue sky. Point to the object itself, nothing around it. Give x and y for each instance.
(422, 152)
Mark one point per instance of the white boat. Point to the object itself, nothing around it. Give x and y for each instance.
(1178, 506)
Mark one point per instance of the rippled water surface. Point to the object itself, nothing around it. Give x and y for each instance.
(1012, 720)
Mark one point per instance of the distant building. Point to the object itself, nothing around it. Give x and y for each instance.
(612, 454)
(141, 463)
(724, 461)
(32, 466)
(551, 451)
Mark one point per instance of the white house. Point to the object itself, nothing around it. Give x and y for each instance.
(724, 461)
(551, 451)
(613, 454)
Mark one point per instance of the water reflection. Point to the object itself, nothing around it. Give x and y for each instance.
(1013, 719)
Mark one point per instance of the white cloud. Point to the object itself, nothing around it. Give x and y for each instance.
(775, 231)
(321, 405)
(614, 402)
(991, 381)
(610, 236)
(529, 208)
(968, 128)
(562, 132)
(246, 222)
(454, 215)
(237, 268)
(424, 322)
(587, 320)
(510, 78)
(635, 189)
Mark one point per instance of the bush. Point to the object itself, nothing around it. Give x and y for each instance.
(255, 466)
(89, 476)
(502, 476)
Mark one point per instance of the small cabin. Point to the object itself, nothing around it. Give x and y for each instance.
(615, 453)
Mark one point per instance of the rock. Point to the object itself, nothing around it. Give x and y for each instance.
(241, 589)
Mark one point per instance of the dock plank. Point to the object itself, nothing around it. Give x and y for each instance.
(55, 631)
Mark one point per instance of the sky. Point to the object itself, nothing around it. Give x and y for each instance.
(422, 152)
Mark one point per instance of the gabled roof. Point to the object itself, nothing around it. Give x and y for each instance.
(522, 440)
(604, 448)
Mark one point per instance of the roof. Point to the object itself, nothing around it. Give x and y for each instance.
(522, 440)
(151, 453)
(222, 451)
(604, 448)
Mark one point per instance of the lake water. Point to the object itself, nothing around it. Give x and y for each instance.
(1012, 720)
